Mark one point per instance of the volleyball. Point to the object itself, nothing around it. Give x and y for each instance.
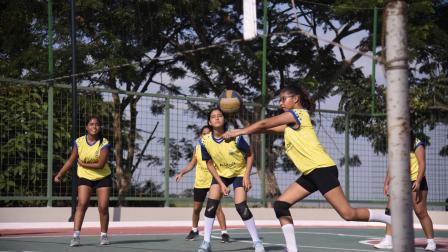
(230, 101)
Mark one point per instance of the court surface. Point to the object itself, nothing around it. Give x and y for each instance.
(310, 239)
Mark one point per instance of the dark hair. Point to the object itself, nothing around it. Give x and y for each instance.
(210, 114)
(203, 128)
(302, 93)
(100, 133)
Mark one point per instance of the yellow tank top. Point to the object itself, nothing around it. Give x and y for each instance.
(90, 153)
(203, 178)
(302, 145)
(414, 161)
(228, 156)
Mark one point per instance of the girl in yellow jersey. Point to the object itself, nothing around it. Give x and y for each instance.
(419, 196)
(91, 152)
(319, 171)
(202, 182)
(230, 162)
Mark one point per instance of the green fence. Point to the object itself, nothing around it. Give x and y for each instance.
(165, 137)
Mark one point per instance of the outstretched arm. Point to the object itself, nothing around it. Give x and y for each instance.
(274, 124)
(68, 164)
(187, 168)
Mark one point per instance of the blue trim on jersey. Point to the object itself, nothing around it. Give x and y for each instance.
(242, 145)
(91, 144)
(216, 139)
(105, 146)
(204, 152)
(419, 144)
(295, 118)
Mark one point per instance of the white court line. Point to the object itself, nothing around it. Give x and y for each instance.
(300, 246)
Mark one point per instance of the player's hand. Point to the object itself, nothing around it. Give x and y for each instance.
(386, 190)
(178, 177)
(57, 178)
(416, 186)
(247, 185)
(225, 190)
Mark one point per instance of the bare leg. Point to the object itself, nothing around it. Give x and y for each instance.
(221, 218)
(103, 207)
(197, 207)
(421, 211)
(84, 193)
(337, 199)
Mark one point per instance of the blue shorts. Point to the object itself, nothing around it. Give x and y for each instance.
(235, 181)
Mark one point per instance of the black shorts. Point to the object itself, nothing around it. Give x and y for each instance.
(323, 179)
(236, 181)
(423, 184)
(94, 184)
(199, 194)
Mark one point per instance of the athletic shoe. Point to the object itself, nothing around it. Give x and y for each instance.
(225, 237)
(431, 246)
(104, 240)
(205, 247)
(258, 245)
(192, 235)
(384, 244)
(75, 242)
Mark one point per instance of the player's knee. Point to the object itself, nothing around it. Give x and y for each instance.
(210, 210)
(420, 212)
(103, 209)
(348, 214)
(243, 210)
(281, 209)
(197, 210)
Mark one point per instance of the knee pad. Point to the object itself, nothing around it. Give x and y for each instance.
(281, 209)
(210, 210)
(243, 210)
(387, 211)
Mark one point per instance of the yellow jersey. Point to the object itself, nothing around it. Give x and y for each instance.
(414, 162)
(90, 153)
(302, 145)
(203, 177)
(229, 157)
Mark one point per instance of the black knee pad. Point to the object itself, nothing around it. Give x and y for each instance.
(210, 210)
(387, 211)
(281, 209)
(243, 210)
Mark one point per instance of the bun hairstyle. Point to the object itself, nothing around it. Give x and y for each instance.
(302, 93)
(203, 128)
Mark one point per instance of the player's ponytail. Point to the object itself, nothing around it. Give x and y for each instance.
(305, 99)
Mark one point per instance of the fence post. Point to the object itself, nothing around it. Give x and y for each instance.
(166, 127)
(347, 156)
(50, 108)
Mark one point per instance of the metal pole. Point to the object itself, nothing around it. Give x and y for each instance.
(166, 127)
(398, 125)
(50, 107)
(263, 103)
(373, 76)
(74, 108)
(347, 156)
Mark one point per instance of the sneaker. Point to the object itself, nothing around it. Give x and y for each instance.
(75, 242)
(225, 237)
(205, 247)
(431, 246)
(192, 235)
(258, 245)
(384, 244)
(104, 240)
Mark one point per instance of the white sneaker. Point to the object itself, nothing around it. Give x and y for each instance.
(384, 244)
(75, 242)
(104, 240)
(258, 245)
(431, 246)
